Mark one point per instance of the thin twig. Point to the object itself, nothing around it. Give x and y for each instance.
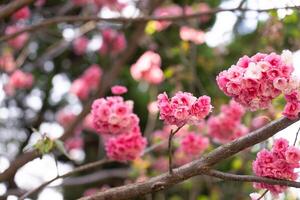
(263, 194)
(170, 149)
(125, 20)
(295, 141)
(12, 7)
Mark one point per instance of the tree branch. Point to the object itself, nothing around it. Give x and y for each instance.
(249, 178)
(125, 20)
(13, 6)
(193, 168)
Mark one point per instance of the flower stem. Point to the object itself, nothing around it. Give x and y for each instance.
(170, 148)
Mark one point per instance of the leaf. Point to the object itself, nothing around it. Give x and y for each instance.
(61, 147)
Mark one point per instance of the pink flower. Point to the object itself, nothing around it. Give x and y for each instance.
(80, 88)
(114, 116)
(125, 147)
(80, 45)
(23, 13)
(193, 35)
(171, 10)
(259, 122)
(183, 108)
(74, 143)
(292, 155)
(278, 163)
(227, 126)
(7, 62)
(113, 42)
(193, 144)
(254, 196)
(153, 107)
(265, 77)
(118, 89)
(20, 80)
(147, 68)
(18, 41)
(89, 81)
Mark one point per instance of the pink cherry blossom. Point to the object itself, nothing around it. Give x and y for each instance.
(89, 81)
(23, 13)
(183, 108)
(148, 68)
(18, 41)
(113, 42)
(193, 35)
(113, 116)
(7, 62)
(118, 89)
(153, 107)
(80, 45)
(227, 126)
(172, 10)
(125, 147)
(20, 80)
(194, 144)
(254, 82)
(278, 163)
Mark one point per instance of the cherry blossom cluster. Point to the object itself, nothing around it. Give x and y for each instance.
(254, 82)
(278, 163)
(148, 68)
(227, 125)
(192, 35)
(113, 42)
(18, 80)
(88, 82)
(114, 119)
(183, 108)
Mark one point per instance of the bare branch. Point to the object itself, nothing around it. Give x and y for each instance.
(194, 168)
(249, 178)
(125, 20)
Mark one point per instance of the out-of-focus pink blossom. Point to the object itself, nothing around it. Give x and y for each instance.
(153, 107)
(278, 163)
(227, 125)
(259, 122)
(193, 35)
(118, 89)
(65, 117)
(172, 10)
(89, 81)
(203, 8)
(7, 62)
(18, 41)
(125, 147)
(113, 42)
(21, 80)
(81, 2)
(74, 143)
(88, 123)
(183, 108)
(194, 144)
(23, 13)
(80, 45)
(147, 68)
(39, 3)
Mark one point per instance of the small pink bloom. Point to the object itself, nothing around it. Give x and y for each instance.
(292, 155)
(193, 35)
(118, 89)
(18, 41)
(23, 13)
(80, 45)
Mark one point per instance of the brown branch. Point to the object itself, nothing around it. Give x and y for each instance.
(13, 6)
(249, 178)
(74, 171)
(125, 20)
(193, 168)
